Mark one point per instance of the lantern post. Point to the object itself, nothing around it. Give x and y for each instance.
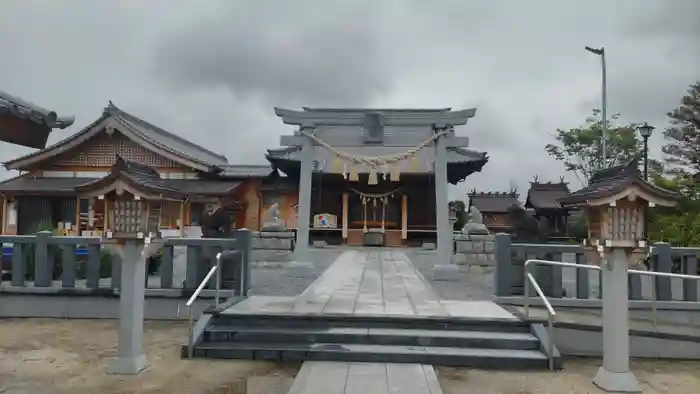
(614, 203)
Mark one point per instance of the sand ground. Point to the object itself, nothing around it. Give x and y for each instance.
(69, 356)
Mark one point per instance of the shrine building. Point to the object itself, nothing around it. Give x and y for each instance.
(357, 176)
(50, 192)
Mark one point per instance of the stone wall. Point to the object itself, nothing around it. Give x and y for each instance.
(272, 246)
(474, 250)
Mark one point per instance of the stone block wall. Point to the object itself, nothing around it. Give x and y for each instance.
(474, 250)
(272, 246)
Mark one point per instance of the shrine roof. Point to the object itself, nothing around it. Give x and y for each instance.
(461, 161)
(546, 195)
(140, 131)
(137, 175)
(493, 202)
(613, 180)
(25, 110)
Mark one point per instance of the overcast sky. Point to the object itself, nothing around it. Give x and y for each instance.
(212, 70)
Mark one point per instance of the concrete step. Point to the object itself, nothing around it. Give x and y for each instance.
(374, 336)
(378, 321)
(432, 355)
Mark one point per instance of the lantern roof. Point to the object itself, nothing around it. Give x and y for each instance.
(615, 183)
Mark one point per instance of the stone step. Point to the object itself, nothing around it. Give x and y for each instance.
(378, 321)
(443, 356)
(374, 336)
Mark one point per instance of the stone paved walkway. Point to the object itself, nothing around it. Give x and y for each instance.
(365, 283)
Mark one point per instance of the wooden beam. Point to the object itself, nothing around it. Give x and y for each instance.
(404, 216)
(77, 215)
(182, 219)
(345, 215)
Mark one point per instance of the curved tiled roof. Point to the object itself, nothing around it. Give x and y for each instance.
(32, 112)
(135, 128)
(610, 181)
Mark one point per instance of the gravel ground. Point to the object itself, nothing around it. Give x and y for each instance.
(470, 284)
(52, 356)
(284, 279)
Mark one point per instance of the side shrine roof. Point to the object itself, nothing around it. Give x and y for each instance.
(25, 110)
(614, 180)
(493, 202)
(137, 176)
(137, 129)
(546, 195)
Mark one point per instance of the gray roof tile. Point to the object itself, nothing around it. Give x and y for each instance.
(546, 195)
(165, 139)
(613, 180)
(493, 202)
(245, 170)
(26, 110)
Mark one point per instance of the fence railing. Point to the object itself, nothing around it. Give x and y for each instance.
(91, 263)
(581, 283)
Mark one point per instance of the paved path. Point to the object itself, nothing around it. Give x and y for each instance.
(370, 283)
(365, 378)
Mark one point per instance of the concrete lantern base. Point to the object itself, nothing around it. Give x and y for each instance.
(616, 382)
(127, 365)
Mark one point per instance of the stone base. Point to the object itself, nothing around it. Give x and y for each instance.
(446, 272)
(429, 245)
(320, 244)
(616, 382)
(127, 365)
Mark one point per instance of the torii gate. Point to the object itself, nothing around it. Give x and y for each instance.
(441, 122)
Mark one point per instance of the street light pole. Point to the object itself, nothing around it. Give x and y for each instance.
(604, 111)
(645, 131)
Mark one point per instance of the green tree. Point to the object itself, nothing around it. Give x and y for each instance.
(580, 148)
(683, 136)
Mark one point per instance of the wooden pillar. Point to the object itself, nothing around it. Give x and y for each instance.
(4, 213)
(77, 215)
(404, 216)
(188, 213)
(182, 219)
(345, 215)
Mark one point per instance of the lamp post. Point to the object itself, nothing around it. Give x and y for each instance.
(601, 52)
(645, 131)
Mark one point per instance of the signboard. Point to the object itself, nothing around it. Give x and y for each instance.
(325, 220)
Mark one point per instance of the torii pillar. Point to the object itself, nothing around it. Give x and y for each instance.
(435, 121)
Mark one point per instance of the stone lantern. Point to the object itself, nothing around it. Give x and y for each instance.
(129, 192)
(614, 203)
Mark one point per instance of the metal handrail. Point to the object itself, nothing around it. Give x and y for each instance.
(551, 317)
(215, 269)
(190, 318)
(656, 274)
(551, 314)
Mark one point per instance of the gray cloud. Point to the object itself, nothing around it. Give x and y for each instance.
(212, 74)
(317, 53)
